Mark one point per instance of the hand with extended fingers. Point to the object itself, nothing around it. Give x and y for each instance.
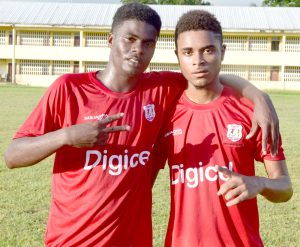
(265, 117)
(93, 133)
(238, 187)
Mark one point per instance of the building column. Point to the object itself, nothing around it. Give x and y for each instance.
(82, 42)
(13, 76)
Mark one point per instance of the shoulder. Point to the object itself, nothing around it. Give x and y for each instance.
(68, 82)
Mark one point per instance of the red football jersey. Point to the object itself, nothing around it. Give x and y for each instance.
(101, 196)
(196, 138)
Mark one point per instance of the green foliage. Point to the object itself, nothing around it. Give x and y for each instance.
(171, 2)
(281, 3)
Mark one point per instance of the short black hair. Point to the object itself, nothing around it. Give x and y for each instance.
(137, 11)
(198, 20)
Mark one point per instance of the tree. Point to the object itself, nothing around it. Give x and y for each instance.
(281, 3)
(171, 2)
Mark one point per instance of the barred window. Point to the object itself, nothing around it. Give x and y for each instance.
(61, 67)
(34, 67)
(292, 44)
(35, 38)
(61, 39)
(166, 42)
(258, 44)
(2, 37)
(240, 70)
(96, 39)
(292, 73)
(94, 66)
(259, 73)
(235, 43)
(164, 67)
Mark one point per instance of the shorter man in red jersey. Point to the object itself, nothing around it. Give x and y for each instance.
(212, 173)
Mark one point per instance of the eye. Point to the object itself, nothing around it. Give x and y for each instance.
(129, 39)
(209, 50)
(149, 44)
(187, 52)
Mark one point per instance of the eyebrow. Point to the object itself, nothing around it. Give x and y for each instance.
(144, 40)
(202, 48)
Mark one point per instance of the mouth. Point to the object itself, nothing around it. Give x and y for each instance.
(200, 73)
(134, 61)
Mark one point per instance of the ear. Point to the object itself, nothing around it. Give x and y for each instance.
(223, 49)
(110, 40)
(176, 53)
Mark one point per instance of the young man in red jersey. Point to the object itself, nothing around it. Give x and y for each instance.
(101, 183)
(212, 173)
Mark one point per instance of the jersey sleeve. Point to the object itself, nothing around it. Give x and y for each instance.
(159, 155)
(259, 156)
(49, 113)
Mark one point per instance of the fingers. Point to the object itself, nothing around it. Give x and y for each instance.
(253, 130)
(274, 140)
(242, 197)
(265, 134)
(116, 129)
(111, 118)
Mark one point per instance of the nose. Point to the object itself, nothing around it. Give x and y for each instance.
(198, 59)
(138, 48)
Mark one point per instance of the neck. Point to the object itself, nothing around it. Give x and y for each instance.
(115, 81)
(204, 95)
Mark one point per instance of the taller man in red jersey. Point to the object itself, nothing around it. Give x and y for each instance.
(212, 173)
(102, 127)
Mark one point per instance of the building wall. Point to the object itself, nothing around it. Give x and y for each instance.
(37, 56)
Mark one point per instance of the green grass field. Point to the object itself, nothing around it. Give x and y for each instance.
(25, 193)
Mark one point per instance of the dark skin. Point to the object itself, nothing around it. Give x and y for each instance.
(200, 63)
(132, 46)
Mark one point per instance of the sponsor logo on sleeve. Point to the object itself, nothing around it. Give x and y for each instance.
(174, 132)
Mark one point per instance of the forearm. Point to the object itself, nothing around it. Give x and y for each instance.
(276, 190)
(28, 151)
(244, 87)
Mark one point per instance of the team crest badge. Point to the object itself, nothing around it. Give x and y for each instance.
(234, 132)
(149, 112)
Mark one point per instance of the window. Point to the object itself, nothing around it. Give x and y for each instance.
(61, 67)
(61, 39)
(2, 37)
(235, 43)
(35, 38)
(258, 44)
(96, 39)
(258, 73)
(240, 70)
(34, 67)
(166, 42)
(292, 73)
(94, 66)
(292, 44)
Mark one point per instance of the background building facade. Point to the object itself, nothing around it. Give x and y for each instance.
(40, 41)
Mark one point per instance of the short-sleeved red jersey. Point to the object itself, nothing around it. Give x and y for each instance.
(195, 139)
(101, 196)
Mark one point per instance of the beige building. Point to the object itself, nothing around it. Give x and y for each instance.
(40, 41)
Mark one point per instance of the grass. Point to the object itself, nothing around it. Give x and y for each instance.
(25, 193)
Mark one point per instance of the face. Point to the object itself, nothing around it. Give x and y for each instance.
(200, 54)
(132, 47)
